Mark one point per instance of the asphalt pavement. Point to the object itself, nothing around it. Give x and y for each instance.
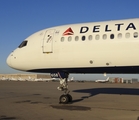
(91, 101)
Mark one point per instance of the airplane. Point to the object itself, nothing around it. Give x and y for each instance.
(44, 79)
(29, 79)
(102, 81)
(71, 80)
(20, 79)
(95, 47)
(4, 78)
(38, 79)
(14, 79)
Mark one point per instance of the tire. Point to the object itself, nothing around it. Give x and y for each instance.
(64, 99)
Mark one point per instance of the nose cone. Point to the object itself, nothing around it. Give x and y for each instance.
(8, 61)
(12, 61)
(15, 61)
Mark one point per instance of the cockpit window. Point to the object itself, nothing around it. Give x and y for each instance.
(23, 44)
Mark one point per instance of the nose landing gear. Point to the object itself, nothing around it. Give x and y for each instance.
(66, 97)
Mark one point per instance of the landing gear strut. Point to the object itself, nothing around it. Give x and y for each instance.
(66, 97)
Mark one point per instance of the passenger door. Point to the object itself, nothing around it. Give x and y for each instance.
(48, 41)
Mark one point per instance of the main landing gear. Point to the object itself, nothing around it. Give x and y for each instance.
(66, 97)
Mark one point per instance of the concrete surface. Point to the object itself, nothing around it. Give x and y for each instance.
(91, 101)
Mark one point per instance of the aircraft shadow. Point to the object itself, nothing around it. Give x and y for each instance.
(96, 91)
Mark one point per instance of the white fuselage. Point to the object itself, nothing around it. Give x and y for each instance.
(81, 48)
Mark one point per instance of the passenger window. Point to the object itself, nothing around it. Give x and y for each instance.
(104, 37)
(69, 38)
(135, 34)
(90, 37)
(112, 36)
(23, 44)
(97, 37)
(76, 38)
(127, 35)
(83, 38)
(119, 35)
(62, 39)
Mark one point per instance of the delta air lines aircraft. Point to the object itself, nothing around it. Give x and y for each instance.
(97, 47)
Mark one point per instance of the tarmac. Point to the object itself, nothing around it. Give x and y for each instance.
(91, 101)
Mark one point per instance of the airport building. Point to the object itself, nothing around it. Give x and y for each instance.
(122, 80)
(23, 77)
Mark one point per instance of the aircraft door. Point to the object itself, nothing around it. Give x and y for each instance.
(48, 41)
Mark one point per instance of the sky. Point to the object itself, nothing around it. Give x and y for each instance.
(21, 18)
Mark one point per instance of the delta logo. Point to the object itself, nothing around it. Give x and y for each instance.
(69, 31)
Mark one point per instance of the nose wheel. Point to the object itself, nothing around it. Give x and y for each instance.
(65, 98)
